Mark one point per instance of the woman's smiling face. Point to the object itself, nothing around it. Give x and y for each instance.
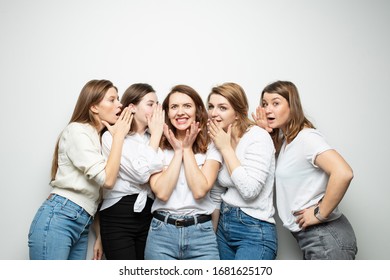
(181, 111)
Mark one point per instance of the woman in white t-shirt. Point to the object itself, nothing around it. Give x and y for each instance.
(125, 213)
(246, 228)
(181, 228)
(311, 177)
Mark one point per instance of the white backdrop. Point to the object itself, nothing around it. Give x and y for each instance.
(335, 51)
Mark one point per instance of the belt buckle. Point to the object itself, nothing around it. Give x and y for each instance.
(179, 223)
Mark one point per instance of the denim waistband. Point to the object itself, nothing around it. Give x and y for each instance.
(69, 203)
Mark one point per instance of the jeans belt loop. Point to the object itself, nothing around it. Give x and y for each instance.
(166, 218)
(195, 220)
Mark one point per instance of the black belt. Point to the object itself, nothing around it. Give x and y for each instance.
(183, 222)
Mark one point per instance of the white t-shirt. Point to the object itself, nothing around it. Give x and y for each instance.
(181, 201)
(299, 182)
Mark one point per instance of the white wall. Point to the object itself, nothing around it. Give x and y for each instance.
(335, 51)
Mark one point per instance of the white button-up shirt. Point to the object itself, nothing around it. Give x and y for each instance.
(138, 162)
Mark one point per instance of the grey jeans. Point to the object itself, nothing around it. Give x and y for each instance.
(333, 240)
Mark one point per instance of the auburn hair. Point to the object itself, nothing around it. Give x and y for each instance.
(202, 140)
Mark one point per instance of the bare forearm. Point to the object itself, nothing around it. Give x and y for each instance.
(166, 182)
(335, 191)
(215, 219)
(155, 141)
(196, 180)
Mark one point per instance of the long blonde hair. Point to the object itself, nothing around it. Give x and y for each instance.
(91, 94)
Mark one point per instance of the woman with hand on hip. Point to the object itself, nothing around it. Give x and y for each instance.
(59, 230)
(125, 213)
(311, 177)
(246, 228)
(181, 227)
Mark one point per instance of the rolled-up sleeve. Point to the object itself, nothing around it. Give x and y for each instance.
(138, 160)
(138, 169)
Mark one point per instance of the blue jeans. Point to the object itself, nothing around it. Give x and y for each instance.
(168, 242)
(59, 231)
(334, 240)
(242, 237)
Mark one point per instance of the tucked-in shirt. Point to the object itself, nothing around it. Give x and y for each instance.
(181, 201)
(81, 166)
(138, 162)
(299, 182)
(250, 186)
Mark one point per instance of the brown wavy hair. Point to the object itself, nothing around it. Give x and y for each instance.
(237, 98)
(297, 120)
(91, 94)
(202, 140)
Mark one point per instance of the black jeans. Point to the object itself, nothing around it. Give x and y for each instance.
(124, 231)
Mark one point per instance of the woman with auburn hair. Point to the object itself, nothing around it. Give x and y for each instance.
(311, 177)
(246, 228)
(125, 213)
(181, 227)
(60, 227)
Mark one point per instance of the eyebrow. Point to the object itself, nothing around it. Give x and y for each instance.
(219, 104)
(272, 99)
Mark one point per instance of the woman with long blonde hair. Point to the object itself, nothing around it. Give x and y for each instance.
(246, 228)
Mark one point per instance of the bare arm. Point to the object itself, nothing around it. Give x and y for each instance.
(155, 125)
(98, 246)
(215, 219)
(199, 180)
(163, 183)
(340, 176)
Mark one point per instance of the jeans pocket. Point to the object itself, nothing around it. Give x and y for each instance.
(206, 227)
(343, 234)
(249, 221)
(156, 224)
(65, 212)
